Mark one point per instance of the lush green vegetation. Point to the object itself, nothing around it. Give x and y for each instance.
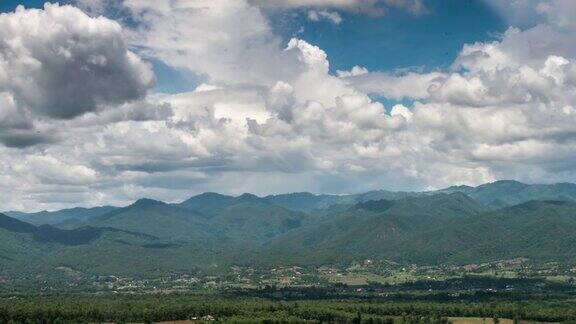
(212, 232)
(378, 257)
(285, 306)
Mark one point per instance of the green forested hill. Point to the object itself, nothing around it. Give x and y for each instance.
(496, 195)
(508, 193)
(256, 222)
(308, 202)
(365, 231)
(536, 229)
(28, 249)
(247, 219)
(212, 231)
(208, 203)
(544, 231)
(60, 216)
(158, 219)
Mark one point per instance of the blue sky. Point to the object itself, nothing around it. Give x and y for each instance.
(394, 41)
(398, 39)
(10, 5)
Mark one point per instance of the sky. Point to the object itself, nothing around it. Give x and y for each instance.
(103, 102)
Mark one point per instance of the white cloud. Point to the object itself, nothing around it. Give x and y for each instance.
(332, 16)
(558, 13)
(60, 63)
(408, 85)
(229, 42)
(272, 115)
(416, 7)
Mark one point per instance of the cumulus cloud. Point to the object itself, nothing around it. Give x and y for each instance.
(60, 63)
(225, 41)
(533, 12)
(393, 86)
(272, 114)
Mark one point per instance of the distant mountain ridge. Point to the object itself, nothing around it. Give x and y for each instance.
(508, 192)
(371, 229)
(56, 217)
(51, 234)
(497, 194)
(459, 224)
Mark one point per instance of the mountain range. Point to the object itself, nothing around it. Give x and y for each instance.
(211, 231)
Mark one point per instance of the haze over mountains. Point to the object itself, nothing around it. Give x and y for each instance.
(461, 224)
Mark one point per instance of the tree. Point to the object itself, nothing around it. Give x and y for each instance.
(357, 319)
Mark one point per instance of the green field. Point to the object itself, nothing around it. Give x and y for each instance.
(360, 279)
(478, 320)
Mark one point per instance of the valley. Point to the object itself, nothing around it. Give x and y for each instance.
(210, 234)
(456, 255)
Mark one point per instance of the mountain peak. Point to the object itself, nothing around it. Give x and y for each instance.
(507, 183)
(210, 195)
(248, 197)
(294, 194)
(206, 197)
(146, 202)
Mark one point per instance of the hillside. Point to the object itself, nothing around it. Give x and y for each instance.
(30, 249)
(60, 216)
(208, 203)
(50, 234)
(212, 231)
(156, 218)
(365, 230)
(256, 223)
(539, 230)
(508, 193)
(536, 229)
(307, 202)
(246, 219)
